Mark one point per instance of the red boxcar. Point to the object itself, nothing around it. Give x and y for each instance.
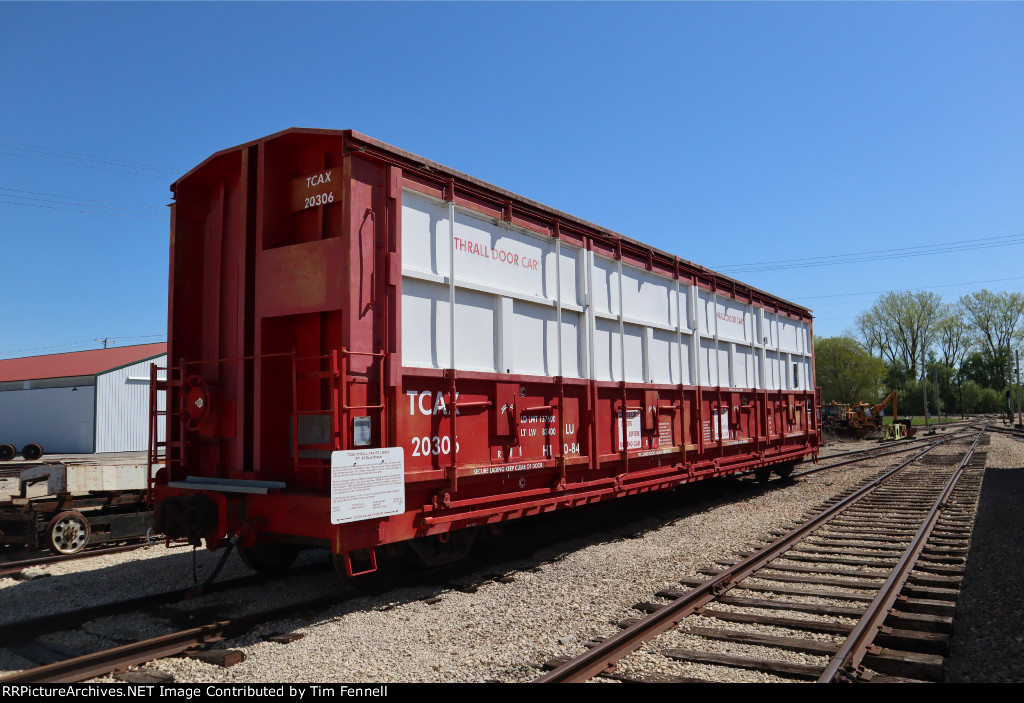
(327, 392)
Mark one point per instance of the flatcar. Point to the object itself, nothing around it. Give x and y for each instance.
(65, 506)
(370, 350)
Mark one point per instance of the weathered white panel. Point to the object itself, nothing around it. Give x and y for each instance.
(723, 364)
(122, 408)
(799, 370)
(573, 275)
(685, 376)
(771, 331)
(503, 275)
(745, 368)
(733, 320)
(426, 325)
(705, 311)
(681, 302)
(788, 339)
(423, 342)
(664, 357)
(773, 372)
(424, 233)
(535, 346)
(762, 334)
(499, 256)
(476, 331)
(571, 358)
(707, 363)
(647, 297)
(634, 348)
(607, 351)
(606, 285)
(60, 419)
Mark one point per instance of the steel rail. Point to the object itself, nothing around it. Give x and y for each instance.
(881, 453)
(119, 658)
(13, 567)
(845, 664)
(598, 658)
(22, 630)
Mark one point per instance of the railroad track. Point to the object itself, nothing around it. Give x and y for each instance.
(72, 667)
(14, 567)
(1010, 431)
(864, 589)
(907, 445)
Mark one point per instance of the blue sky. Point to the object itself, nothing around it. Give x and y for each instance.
(736, 135)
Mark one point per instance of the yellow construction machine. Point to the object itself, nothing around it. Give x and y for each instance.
(860, 419)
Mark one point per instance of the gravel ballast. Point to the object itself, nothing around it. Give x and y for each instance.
(504, 631)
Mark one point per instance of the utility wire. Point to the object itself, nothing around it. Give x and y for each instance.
(904, 290)
(161, 176)
(66, 346)
(77, 155)
(86, 212)
(881, 254)
(160, 208)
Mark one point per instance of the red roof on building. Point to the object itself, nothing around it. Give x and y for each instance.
(82, 363)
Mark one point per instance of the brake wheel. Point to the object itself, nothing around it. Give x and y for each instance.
(195, 402)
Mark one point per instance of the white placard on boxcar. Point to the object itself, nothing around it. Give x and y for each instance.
(632, 430)
(367, 483)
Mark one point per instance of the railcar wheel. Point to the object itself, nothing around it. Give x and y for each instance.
(7, 452)
(270, 558)
(762, 474)
(784, 470)
(441, 550)
(32, 451)
(68, 533)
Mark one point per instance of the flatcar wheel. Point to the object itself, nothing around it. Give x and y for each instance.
(762, 474)
(270, 558)
(68, 533)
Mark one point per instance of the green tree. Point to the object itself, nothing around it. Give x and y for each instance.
(986, 370)
(900, 325)
(997, 319)
(846, 372)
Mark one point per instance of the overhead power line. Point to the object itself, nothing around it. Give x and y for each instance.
(877, 255)
(72, 203)
(86, 159)
(87, 212)
(159, 208)
(907, 290)
(69, 346)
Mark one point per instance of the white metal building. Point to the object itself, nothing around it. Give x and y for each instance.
(79, 402)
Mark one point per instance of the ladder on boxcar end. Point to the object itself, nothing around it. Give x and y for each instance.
(166, 452)
(336, 375)
(331, 375)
